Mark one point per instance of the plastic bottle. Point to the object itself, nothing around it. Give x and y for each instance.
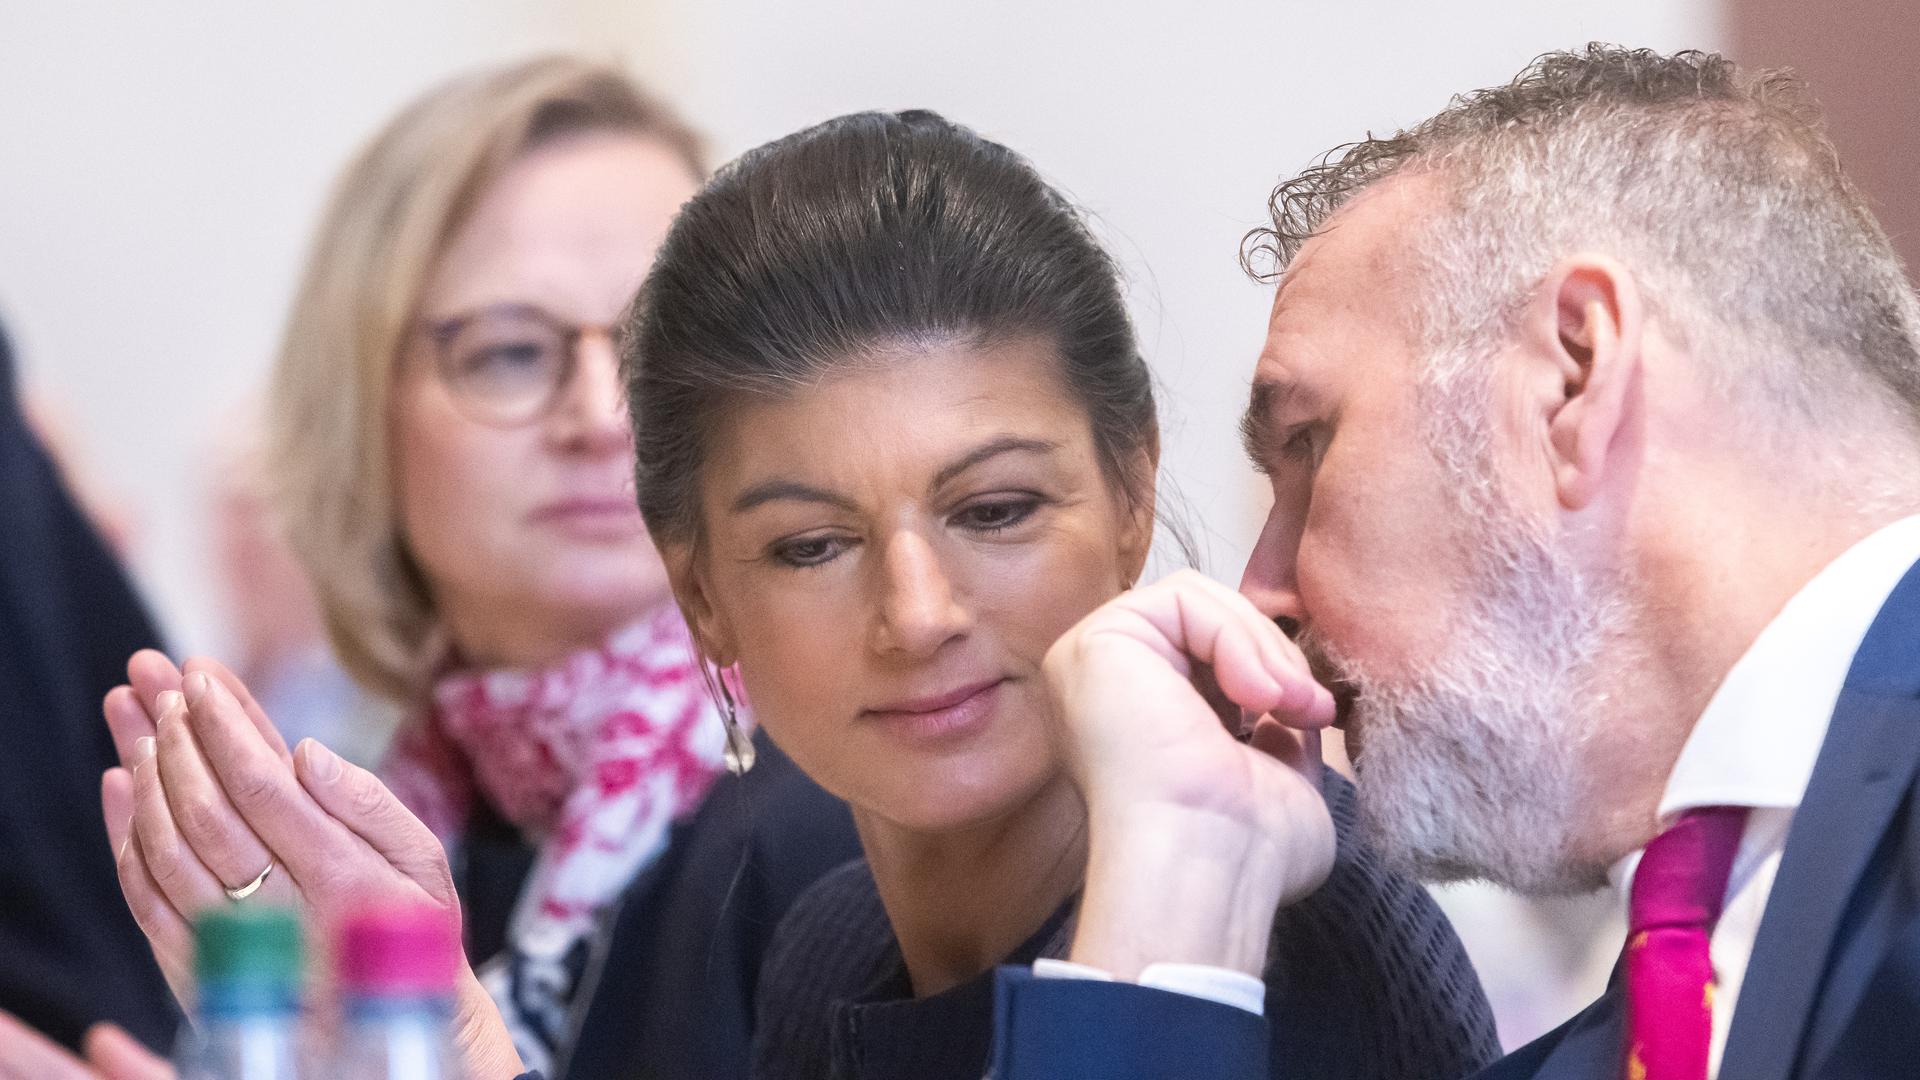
(397, 968)
(247, 1023)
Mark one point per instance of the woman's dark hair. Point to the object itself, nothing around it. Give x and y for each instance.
(870, 230)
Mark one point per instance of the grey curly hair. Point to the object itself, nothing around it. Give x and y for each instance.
(1718, 188)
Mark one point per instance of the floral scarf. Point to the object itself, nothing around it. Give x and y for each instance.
(593, 758)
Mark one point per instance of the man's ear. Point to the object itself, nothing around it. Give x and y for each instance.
(686, 572)
(1587, 326)
(1136, 530)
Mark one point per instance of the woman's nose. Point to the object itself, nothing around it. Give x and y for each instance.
(920, 610)
(592, 412)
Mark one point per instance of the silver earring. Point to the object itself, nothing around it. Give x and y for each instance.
(739, 753)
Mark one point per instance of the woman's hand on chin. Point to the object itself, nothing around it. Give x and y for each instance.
(209, 797)
(1196, 838)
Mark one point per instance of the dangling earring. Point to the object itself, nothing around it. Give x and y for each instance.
(739, 754)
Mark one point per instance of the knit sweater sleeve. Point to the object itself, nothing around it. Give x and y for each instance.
(1366, 978)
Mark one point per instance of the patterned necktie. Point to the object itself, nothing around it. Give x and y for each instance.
(1676, 898)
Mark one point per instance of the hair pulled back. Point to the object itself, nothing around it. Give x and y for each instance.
(832, 246)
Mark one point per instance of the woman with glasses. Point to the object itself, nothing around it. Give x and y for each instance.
(453, 464)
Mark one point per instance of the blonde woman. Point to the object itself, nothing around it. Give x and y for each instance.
(453, 463)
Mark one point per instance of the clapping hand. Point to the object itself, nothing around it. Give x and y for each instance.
(210, 807)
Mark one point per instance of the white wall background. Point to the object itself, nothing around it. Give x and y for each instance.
(1170, 121)
(161, 166)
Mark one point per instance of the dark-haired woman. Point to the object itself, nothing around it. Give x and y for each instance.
(894, 438)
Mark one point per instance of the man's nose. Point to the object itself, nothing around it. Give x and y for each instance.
(1270, 580)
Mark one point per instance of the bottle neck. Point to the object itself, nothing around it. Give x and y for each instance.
(392, 1008)
(234, 1004)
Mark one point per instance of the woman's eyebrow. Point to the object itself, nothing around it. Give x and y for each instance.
(1006, 444)
(777, 490)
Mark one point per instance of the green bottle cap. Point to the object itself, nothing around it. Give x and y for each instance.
(247, 959)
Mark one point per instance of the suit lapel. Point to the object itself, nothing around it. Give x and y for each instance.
(1587, 1047)
(1865, 766)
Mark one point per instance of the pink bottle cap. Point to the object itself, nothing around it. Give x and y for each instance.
(398, 951)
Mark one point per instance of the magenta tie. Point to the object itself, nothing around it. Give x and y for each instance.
(1676, 898)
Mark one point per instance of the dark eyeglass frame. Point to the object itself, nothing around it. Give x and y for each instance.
(442, 333)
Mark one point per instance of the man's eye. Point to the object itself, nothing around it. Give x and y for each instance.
(1306, 443)
(997, 515)
(809, 550)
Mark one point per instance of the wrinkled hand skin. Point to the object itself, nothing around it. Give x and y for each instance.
(208, 792)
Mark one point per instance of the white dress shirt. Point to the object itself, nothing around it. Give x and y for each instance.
(1755, 745)
(1757, 741)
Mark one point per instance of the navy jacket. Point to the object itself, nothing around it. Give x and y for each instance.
(70, 953)
(1832, 990)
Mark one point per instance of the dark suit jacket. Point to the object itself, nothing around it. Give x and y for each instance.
(673, 992)
(70, 953)
(1832, 990)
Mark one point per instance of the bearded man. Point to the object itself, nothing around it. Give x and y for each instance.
(1591, 407)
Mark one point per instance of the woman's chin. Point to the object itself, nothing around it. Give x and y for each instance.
(617, 589)
(946, 799)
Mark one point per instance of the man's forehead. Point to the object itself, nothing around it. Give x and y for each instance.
(1353, 271)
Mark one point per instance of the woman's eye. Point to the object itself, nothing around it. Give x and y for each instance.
(808, 550)
(997, 515)
(506, 357)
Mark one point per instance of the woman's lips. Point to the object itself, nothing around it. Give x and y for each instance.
(614, 518)
(940, 714)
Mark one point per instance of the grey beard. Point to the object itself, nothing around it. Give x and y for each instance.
(1471, 769)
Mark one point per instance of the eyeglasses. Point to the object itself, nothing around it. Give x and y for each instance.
(507, 364)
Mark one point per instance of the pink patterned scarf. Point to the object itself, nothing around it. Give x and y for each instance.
(593, 758)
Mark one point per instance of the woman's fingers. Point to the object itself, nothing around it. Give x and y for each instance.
(168, 933)
(25, 1054)
(170, 861)
(116, 1055)
(1188, 617)
(1296, 748)
(1274, 652)
(1254, 662)
(312, 846)
(357, 799)
(127, 719)
(151, 674)
(206, 819)
(116, 804)
(209, 666)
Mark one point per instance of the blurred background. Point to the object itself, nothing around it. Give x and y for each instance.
(164, 164)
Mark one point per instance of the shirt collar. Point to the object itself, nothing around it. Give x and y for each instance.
(1757, 741)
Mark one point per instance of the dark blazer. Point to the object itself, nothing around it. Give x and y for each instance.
(1365, 978)
(70, 953)
(1832, 990)
(670, 995)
